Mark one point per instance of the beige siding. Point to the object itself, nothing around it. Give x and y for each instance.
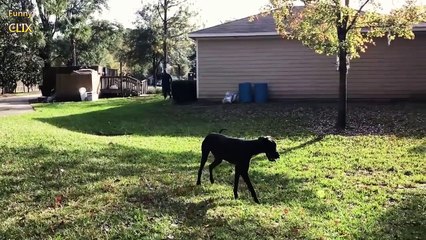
(294, 71)
(395, 71)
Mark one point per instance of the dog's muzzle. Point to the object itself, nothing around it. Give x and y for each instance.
(273, 157)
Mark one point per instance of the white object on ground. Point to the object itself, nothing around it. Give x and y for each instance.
(230, 97)
(83, 93)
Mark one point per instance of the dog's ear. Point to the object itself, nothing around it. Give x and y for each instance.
(266, 138)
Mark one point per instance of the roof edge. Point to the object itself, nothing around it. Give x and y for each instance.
(421, 27)
(251, 34)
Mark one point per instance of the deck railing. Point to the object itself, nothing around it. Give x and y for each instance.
(123, 85)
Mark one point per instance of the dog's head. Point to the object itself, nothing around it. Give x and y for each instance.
(270, 148)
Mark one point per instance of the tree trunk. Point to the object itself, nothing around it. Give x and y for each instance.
(45, 54)
(154, 70)
(165, 37)
(342, 32)
(73, 51)
(343, 98)
(48, 34)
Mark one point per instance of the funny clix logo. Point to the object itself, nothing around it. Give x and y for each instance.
(19, 23)
(20, 27)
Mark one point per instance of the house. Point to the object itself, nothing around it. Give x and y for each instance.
(243, 51)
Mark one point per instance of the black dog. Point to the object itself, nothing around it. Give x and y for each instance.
(238, 152)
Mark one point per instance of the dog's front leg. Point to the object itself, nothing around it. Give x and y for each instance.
(236, 180)
(246, 178)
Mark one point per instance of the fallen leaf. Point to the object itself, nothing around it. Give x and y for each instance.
(58, 200)
(286, 211)
(295, 230)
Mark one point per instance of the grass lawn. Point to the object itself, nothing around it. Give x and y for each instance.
(126, 169)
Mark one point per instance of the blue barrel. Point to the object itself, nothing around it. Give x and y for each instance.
(260, 92)
(245, 92)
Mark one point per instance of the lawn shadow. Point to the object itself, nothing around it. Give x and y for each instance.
(310, 142)
(161, 183)
(139, 117)
(162, 118)
(277, 189)
(154, 117)
(404, 220)
(402, 119)
(198, 219)
(421, 149)
(46, 172)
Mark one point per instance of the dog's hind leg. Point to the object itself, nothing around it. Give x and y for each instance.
(236, 180)
(246, 178)
(212, 166)
(204, 155)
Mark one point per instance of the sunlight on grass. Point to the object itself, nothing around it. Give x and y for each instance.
(126, 168)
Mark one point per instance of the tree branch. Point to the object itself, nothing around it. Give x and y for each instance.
(172, 20)
(3, 2)
(178, 35)
(357, 15)
(41, 12)
(159, 13)
(171, 5)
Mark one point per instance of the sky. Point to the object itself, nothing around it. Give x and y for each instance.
(211, 12)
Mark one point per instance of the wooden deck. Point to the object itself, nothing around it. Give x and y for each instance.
(122, 86)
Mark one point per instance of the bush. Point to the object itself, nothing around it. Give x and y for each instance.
(184, 91)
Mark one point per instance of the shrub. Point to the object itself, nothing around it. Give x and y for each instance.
(184, 91)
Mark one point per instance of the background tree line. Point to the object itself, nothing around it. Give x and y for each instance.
(65, 32)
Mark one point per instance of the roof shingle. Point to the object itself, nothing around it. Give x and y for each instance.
(243, 25)
(261, 26)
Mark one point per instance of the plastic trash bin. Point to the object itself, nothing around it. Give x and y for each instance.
(245, 92)
(260, 92)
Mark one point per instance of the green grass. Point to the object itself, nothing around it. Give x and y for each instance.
(126, 169)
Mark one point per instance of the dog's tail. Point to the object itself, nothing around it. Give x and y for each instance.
(223, 129)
